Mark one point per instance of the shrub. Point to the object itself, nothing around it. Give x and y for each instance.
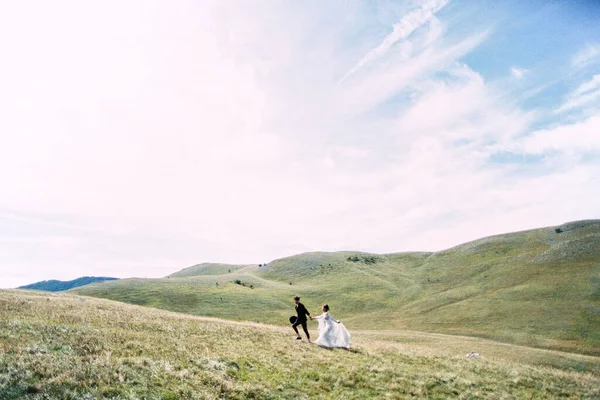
(364, 259)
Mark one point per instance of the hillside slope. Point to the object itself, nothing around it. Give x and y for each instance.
(206, 269)
(93, 348)
(59, 286)
(537, 288)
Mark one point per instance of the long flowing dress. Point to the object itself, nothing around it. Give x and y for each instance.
(331, 332)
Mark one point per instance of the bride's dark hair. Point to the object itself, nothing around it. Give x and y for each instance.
(326, 307)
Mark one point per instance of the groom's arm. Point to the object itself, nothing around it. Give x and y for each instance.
(305, 311)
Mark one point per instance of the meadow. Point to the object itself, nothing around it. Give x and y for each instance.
(64, 346)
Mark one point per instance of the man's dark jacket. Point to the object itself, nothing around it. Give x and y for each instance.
(302, 312)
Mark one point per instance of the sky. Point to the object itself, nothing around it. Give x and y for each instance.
(141, 137)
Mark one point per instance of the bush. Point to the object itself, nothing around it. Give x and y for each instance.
(364, 259)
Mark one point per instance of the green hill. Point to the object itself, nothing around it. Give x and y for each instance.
(206, 269)
(536, 288)
(62, 346)
(59, 286)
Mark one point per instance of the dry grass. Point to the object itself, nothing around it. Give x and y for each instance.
(71, 347)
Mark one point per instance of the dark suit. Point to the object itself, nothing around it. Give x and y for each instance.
(301, 320)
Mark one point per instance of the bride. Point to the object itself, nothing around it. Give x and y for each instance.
(332, 333)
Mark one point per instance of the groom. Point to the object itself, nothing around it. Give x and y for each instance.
(301, 320)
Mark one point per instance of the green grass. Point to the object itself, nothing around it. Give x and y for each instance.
(536, 288)
(63, 346)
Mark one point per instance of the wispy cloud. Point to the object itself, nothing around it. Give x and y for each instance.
(518, 73)
(401, 30)
(586, 87)
(586, 94)
(586, 55)
(405, 75)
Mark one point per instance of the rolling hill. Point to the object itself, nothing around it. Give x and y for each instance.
(538, 288)
(94, 348)
(207, 269)
(59, 286)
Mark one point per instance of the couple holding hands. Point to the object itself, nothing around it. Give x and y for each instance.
(332, 333)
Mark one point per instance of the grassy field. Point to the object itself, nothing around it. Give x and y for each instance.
(63, 346)
(539, 288)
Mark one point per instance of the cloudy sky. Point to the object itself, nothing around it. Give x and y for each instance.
(140, 137)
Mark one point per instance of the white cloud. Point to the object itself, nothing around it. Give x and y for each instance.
(518, 73)
(588, 86)
(587, 94)
(581, 137)
(586, 55)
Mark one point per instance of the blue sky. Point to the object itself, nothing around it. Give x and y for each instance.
(142, 137)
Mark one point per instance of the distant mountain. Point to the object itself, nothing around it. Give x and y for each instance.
(59, 286)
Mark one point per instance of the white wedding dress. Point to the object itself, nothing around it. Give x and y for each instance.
(332, 333)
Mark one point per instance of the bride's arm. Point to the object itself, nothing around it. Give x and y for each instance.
(328, 316)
